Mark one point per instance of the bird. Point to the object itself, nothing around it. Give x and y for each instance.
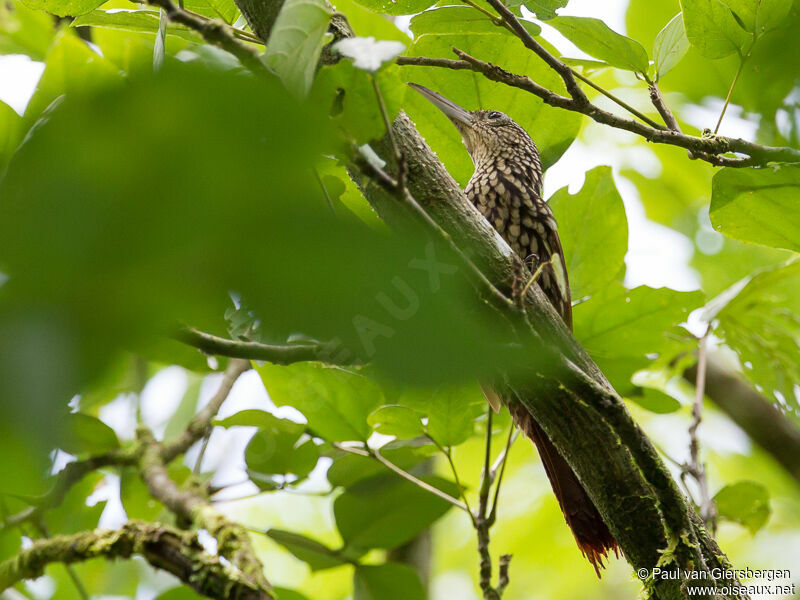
(506, 188)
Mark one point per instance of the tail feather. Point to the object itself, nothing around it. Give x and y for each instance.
(591, 532)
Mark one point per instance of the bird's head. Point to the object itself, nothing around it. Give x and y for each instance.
(487, 134)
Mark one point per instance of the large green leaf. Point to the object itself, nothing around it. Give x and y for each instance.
(758, 205)
(349, 94)
(296, 41)
(142, 21)
(71, 67)
(396, 7)
(318, 556)
(758, 318)
(64, 8)
(86, 434)
(390, 581)
(670, 46)
(760, 15)
(436, 31)
(543, 9)
(396, 420)
(745, 502)
(452, 412)
(596, 38)
(624, 330)
(712, 28)
(10, 132)
(336, 402)
(25, 31)
(276, 451)
(593, 230)
(387, 511)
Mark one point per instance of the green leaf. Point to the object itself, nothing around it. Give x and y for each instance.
(624, 329)
(758, 318)
(594, 255)
(88, 435)
(762, 15)
(10, 133)
(745, 502)
(276, 450)
(71, 67)
(64, 8)
(141, 21)
(390, 581)
(336, 402)
(287, 594)
(712, 28)
(670, 46)
(597, 39)
(543, 9)
(182, 592)
(348, 91)
(396, 420)
(436, 32)
(349, 469)
(316, 555)
(73, 514)
(387, 511)
(452, 412)
(587, 66)
(758, 205)
(253, 417)
(25, 31)
(366, 22)
(296, 41)
(136, 498)
(396, 7)
(655, 401)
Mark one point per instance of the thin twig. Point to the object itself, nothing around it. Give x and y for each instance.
(215, 33)
(502, 459)
(642, 117)
(708, 149)
(661, 106)
(742, 60)
(200, 424)
(535, 276)
(528, 40)
(449, 455)
(376, 455)
(695, 468)
(482, 524)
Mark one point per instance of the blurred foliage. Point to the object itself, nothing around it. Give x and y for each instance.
(132, 201)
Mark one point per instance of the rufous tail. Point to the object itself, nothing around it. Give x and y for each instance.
(591, 533)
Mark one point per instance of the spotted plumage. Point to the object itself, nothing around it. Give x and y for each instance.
(506, 188)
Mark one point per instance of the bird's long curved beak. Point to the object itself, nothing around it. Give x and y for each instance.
(453, 111)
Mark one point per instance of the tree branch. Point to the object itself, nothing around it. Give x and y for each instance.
(215, 33)
(708, 149)
(201, 422)
(759, 418)
(172, 550)
(279, 355)
(190, 506)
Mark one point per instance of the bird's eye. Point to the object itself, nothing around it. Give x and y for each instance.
(494, 115)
